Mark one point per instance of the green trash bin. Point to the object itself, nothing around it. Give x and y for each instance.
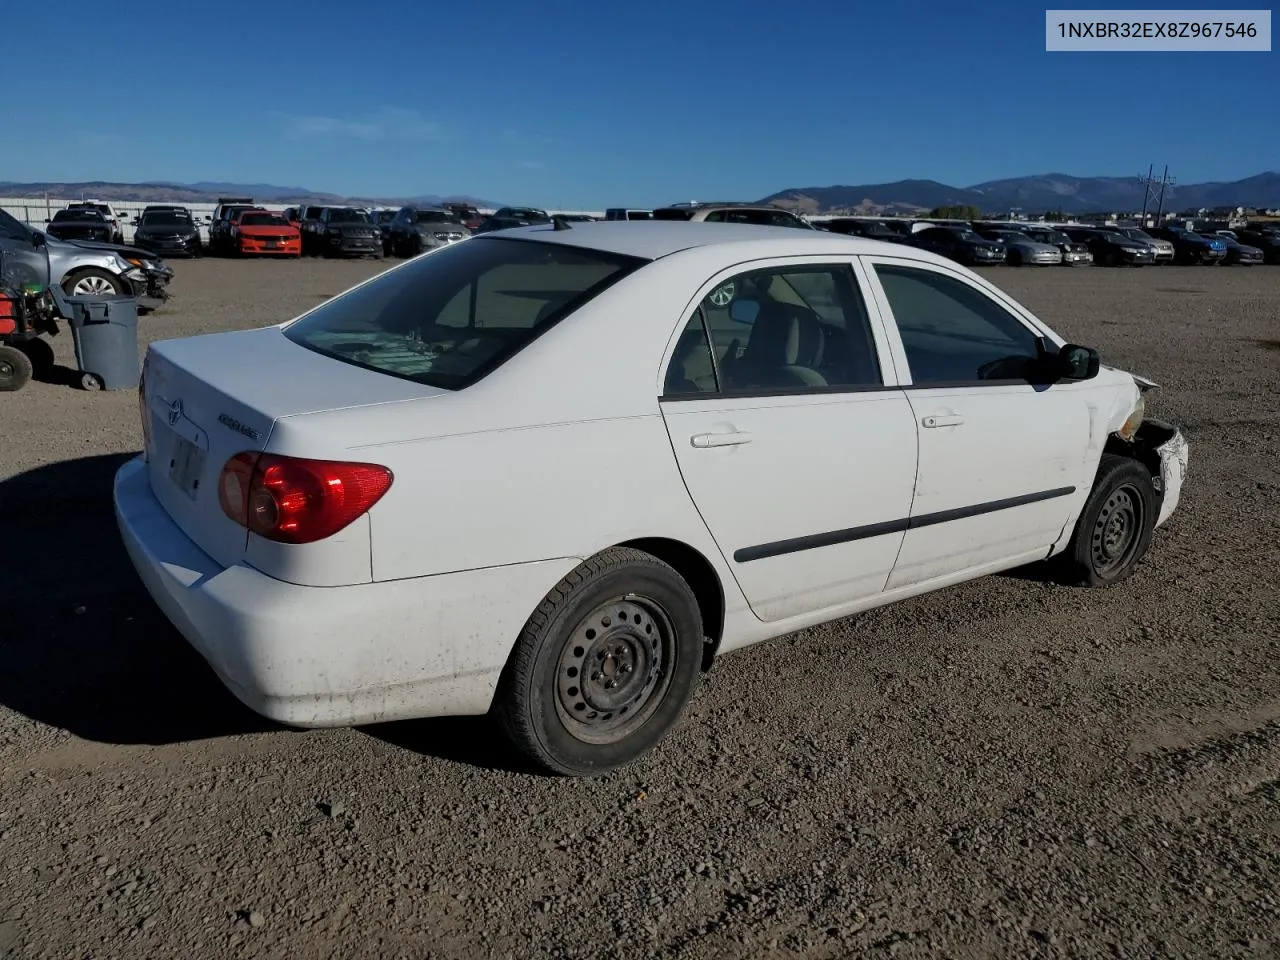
(105, 333)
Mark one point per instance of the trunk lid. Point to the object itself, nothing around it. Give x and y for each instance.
(210, 397)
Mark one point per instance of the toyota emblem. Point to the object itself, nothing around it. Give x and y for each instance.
(175, 412)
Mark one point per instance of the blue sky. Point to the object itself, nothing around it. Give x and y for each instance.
(582, 105)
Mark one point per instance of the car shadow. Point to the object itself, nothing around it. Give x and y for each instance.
(83, 646)
(472, 741)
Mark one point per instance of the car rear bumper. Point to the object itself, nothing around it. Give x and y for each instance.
(333, 656)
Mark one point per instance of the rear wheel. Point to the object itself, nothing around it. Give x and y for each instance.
(1114, 531)
(15, 369)
(604, 667)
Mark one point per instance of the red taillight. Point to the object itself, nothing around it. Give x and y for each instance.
(292, 500)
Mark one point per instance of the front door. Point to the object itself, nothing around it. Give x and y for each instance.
(798, 452)
(22, 259)
(1002, 462)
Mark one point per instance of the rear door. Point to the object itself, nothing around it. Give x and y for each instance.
(794, 441)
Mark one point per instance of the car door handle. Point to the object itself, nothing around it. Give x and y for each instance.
(943, 420)
(733, 439)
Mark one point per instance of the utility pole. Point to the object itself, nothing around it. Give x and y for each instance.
(1146, 191)
(1165, 181)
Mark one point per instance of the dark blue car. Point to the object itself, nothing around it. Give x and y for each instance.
(1189, 247)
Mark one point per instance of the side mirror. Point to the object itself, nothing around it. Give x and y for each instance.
(37, 239)
(1078, 363)
(47, 220)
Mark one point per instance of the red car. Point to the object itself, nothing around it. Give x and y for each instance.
(259, 232)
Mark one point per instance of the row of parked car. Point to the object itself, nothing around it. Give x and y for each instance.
(1047, 244)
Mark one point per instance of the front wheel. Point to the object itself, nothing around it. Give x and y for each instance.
(93, 282)
(604, 667)
(1114, 531)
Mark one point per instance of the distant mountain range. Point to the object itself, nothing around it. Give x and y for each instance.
(208, 192)
(1034, 195)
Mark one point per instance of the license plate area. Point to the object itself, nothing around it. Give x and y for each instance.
(186, 462)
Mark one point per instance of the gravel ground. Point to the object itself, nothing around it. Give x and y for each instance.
(1003, 768)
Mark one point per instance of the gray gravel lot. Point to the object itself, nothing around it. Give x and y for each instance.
(1007, 768)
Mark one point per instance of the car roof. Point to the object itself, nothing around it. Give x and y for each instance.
(652, 239)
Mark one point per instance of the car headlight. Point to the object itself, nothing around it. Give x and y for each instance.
(1129, 429)
(134, 273)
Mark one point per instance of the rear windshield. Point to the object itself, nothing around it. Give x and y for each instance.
(451, 317)
(78, 213)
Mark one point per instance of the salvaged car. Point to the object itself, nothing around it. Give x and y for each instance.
(82, 268)
(263, 233)
(347, 232)
(1111, 249)
(1023, 250)
(379, 510)
(1073, 253)
(80, 224)
(1163, 248)
(416, 230)
(169, 231)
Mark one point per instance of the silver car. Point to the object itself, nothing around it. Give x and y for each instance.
(1163, 248)
(81, 268)
(1024, 250)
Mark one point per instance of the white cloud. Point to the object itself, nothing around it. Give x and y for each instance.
(385, 123)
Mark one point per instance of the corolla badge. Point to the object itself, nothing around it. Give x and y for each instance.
(241, 428)
(175, 412)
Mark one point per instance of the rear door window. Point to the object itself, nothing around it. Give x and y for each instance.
(452, 317)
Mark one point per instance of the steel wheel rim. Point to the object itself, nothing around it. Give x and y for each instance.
(92, 286)
(615, 669)
(7, 369)
(1117, 530)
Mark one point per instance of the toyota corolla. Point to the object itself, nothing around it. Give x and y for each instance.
(552, 472)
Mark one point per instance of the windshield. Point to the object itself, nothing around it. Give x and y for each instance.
(14, 226)
(1136, 234)
(968, 235)
(523, 213)
(448, 319)
(164, 219)
(345, 215)
(434, 216)
(263, 220)
(62, 216)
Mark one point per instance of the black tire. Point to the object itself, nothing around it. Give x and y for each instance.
(631, 615)
(1109, 259)
(70, 280)
(15, 369)
(40, 353)
(1113, 533)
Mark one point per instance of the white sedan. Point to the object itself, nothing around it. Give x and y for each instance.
(551, 471)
